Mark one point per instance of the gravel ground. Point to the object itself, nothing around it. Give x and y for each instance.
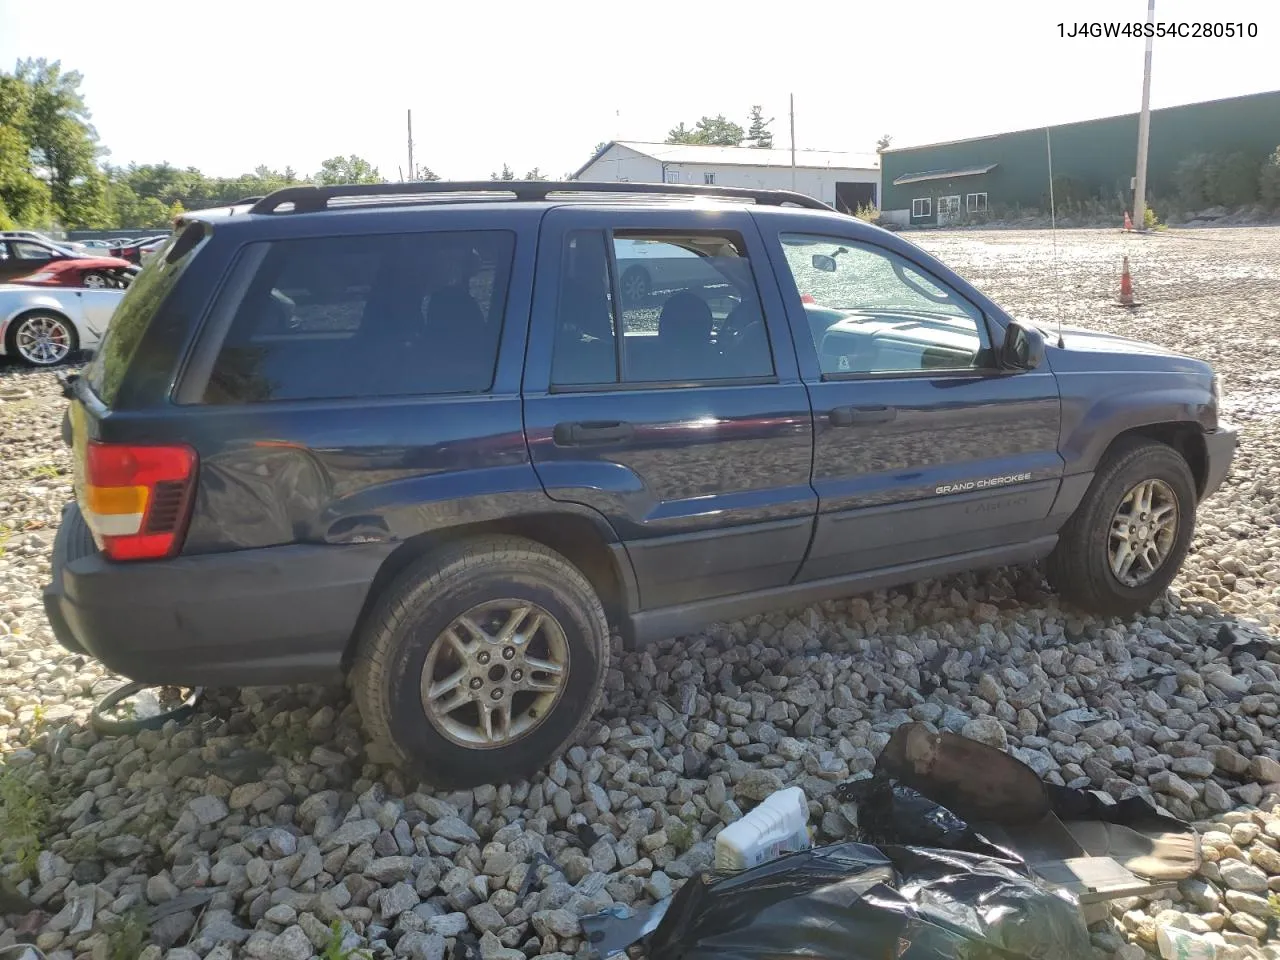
(260, 827)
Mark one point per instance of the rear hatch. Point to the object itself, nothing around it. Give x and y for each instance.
(134, 491)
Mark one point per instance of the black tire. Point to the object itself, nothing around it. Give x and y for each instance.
(96, 280)
(1079, 567)
(635, 285)
(11, 337)
(408, 619)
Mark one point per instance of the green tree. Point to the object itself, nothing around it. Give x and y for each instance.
(64, 144)
(759, 133)
(883, 143)
(1269, 181)
(1235, 180)
(351, 169)
(25, 199)
(709, 130)
(1193, 178)
(426, 174)
(506, 174)
(535, 174)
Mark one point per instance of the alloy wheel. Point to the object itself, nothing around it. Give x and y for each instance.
(42, 340)
(1143, 532)
(495, 673)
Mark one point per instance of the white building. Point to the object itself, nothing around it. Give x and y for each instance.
(844, 181)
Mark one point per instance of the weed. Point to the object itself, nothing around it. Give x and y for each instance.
(868, 212)
(5, 534)
(24, 811)
(334, 950)
(1273, 901)
(47, 470)
(126, 935)
(680, 834)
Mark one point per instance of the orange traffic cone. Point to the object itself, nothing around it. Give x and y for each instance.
(1128, 224)
(1126, 287)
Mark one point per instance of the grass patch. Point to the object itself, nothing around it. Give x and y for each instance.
(334, 950)
(126, 934)
(24, 813)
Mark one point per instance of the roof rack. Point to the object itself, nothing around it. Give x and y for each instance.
(309, 199)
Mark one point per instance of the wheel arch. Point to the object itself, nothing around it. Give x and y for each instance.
(577, 538)
(1186, 437)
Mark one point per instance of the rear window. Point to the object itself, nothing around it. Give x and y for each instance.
(372, 316)
(133, 315)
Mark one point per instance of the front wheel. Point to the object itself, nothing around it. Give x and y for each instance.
(482, 661)
(42, 339)
(1124, 544)
(96, 281)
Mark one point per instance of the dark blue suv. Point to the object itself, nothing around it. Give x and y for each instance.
(421, 435)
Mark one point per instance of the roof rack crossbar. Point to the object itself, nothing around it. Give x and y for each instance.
(308, 199)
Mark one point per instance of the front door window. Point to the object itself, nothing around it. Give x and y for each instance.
(874, 312)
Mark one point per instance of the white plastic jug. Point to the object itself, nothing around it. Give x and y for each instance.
(1176, 944)
(779, 825)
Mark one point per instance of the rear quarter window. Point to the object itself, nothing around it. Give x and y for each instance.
(367, 316)
(133, 315)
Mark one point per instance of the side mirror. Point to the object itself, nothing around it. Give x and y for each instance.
(1023, 348)
(824, 263)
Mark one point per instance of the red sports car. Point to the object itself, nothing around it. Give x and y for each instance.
(97, 273)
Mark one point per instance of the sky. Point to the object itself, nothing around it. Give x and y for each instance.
(229, 85)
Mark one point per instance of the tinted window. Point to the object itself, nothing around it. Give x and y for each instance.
(872, 311)
(368, 317)
(132, 316)
(689, 311)
(585, 350)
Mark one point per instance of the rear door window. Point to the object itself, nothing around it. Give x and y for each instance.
(688, 304)
(409, 314)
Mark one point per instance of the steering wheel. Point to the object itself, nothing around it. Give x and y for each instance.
(909, 282)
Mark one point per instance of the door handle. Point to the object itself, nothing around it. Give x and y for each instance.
(853, 416)
(592, 431)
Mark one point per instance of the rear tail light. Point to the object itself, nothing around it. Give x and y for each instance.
(137, 499)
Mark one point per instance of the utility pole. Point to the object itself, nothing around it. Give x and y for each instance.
(793, 140)
(1144, 131)
(413, 171)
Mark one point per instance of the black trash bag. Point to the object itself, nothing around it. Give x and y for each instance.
(852, 901)
(892, 813)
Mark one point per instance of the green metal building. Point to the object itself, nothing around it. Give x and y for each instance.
(929, 185)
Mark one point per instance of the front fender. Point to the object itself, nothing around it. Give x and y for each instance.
(1090, 425)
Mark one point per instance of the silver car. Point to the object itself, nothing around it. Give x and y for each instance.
(45, 325)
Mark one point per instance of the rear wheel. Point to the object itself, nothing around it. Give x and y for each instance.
(96, 281)
(482, 661)
(1124, 544)
(42, 339)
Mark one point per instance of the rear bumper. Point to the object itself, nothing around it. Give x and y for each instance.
(276, 615)
(1220, 448)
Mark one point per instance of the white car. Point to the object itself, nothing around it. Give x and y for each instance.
(45, 325)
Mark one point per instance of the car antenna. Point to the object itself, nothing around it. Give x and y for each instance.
(1053, 232)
